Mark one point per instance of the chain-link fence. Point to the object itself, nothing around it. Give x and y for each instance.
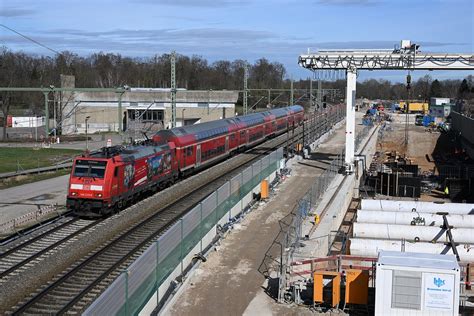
(157, 267)
(280, 255)
(292, 233)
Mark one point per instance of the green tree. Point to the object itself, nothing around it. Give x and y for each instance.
(463, 89)
(436, 90)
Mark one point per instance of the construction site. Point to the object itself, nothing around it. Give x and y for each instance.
(317, 203)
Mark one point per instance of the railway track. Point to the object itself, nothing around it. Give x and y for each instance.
(6, 242)
(74, 289)
(26, 253)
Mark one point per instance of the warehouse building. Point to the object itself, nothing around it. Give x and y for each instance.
(143, 109)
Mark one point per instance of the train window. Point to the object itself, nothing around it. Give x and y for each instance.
(189, 151)
(90, 168)
(116, 171)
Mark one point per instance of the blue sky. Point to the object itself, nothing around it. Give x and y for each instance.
(230, 29)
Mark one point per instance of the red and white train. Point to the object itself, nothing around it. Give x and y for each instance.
(107, 180)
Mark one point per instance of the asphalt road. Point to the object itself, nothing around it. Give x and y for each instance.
(22, 199)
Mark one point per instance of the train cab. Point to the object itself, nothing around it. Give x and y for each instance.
(90, 184)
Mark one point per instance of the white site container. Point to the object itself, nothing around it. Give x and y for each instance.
(27, 121)
(416, 284)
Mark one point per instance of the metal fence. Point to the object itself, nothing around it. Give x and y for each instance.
(455, 172)
(291, 233)
(280, 255)
(136, 285)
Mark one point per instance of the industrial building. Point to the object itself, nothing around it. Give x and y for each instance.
(141, 108)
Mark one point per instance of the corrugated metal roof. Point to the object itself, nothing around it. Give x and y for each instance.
(418, 260)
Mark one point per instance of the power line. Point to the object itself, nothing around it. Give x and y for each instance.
(30, 39)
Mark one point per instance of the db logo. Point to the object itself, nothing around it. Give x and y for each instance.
(438, 282)
(87, 187)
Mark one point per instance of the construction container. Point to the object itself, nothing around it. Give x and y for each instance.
(334, 283)
(414, 107)
(264, 190)
(357, 287)
(417, 284)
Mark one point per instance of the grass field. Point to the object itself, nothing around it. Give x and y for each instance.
(14, 158)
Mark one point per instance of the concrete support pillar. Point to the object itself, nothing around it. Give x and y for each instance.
(350, 119)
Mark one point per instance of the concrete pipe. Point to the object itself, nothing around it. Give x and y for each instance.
(414, 218)
(420, 207)
(371, 248)
(412, 233)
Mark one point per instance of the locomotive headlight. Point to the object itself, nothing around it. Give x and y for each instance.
(74, 193)
(99, 195)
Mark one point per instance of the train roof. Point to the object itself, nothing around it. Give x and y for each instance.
(130, 152)
(251, 119)
(204, 130)
(296, 108)
(219, 127)
(140, 151)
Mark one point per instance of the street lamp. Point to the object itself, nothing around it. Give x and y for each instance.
(182, 117)
(87, 138)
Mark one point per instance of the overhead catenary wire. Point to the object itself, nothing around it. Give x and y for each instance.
(31, 39)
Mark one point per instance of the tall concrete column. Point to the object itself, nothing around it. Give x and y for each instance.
(350, 119)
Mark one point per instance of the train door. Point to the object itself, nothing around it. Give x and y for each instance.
(247, 136)
(198, 155)
(227, 144)
(114, 190)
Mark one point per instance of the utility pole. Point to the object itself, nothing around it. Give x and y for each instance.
(87, 136)
(120, 117)
(320, 95)
(246, 78)
(173, 89)
(291, 92)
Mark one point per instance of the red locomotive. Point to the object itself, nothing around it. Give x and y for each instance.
(107, 180)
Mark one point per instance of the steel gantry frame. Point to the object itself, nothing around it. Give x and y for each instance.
(405, 57)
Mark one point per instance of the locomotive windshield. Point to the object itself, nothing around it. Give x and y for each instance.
(90, 168)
